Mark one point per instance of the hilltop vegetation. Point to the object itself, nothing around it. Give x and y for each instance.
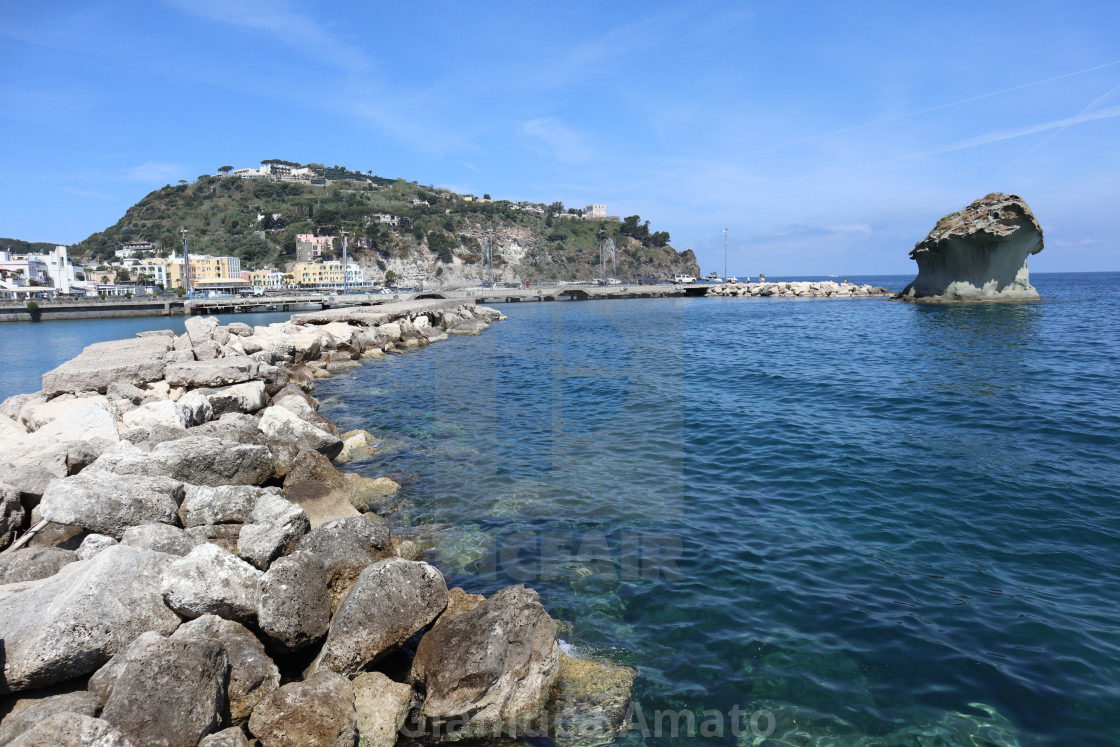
(439, 237)
(19, 246)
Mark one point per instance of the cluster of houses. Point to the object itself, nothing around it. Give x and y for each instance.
(279, 172)
(135, 272)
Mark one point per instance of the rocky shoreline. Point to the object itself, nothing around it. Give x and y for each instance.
(186, 565)
(798, 289)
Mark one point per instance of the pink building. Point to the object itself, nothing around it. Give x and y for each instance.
(310, 248)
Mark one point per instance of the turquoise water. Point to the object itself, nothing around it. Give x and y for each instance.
(895, 524)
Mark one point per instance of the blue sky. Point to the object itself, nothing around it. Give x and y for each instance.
(827, 137)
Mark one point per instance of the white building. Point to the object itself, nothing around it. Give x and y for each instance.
(595, 212)
(53, 272)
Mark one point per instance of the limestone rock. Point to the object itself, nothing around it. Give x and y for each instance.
(172, 693)
(198, 460)
(390, 602)
(92, 423)
(80, 703)
(589, 702)
(248, 397)
(356, 444)
(294, 604)
(318, 711)
(367, 492)
(67, 729)
(92, 544)
(11, 513)
(211, 581)
(160, 538)
(161, 412)
(224, 536)
(346, 547)
(224, 504)
(252, 674)
(109, 504)
(231, 737)
(381, 706)
(305, 411)
(58, 459)
(72, 623)
(281, 424)
(211, 373)
(198, 408)
(137, 360)
(103, 681)
(489, 668)
(978, 254)
(276, 527)
(31, 563)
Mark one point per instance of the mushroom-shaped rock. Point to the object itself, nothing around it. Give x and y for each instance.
(488, 670)
(346, 546)
(75, 621)
(109, 504)
(294, 606)
(978, 254)
(172, 693)
(390, 602)
(211, 581)
(252, 674)
(318, 711)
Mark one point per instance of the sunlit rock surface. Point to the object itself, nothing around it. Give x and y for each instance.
(978, 254)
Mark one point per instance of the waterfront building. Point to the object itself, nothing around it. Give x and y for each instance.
(310, 248)
(327, 275)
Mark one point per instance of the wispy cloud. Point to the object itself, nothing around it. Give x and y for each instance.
(154, 172)
(565, 144)
(86, 193)
(279, 20)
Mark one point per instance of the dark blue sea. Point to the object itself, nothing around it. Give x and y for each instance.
(806, 521)
(857, 521)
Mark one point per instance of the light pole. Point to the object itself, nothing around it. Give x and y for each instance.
(186, 265)
(724, 255)
(490, 256)
(602, 260)
(345, 266)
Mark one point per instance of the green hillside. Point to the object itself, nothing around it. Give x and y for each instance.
(258, 220)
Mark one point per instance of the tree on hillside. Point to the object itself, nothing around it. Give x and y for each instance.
(225, 169)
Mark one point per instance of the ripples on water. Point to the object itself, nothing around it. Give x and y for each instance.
(898, 524)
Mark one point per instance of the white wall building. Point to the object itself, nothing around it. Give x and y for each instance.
(595, 212)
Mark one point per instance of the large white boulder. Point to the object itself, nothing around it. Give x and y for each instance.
(72, 623)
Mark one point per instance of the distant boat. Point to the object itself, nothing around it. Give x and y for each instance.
(712, 277)
(731, 279)
(834, 276)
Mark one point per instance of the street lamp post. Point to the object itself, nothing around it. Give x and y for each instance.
(186, 265)
(490, 256)
(345, 266)
(602, 259)
(724, 255)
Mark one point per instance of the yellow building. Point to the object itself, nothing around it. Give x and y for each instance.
(205, 267)
(325, 274)
(165, 272)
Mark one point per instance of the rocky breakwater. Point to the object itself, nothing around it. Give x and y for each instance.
(978, 254)
(186, 565)
(798, 289)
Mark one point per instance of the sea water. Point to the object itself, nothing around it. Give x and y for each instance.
(856, 521)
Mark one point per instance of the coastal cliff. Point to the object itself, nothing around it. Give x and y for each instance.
(187, 565)
(978, 254)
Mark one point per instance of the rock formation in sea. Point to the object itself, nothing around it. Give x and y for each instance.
(978, 254)
(175, 535)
